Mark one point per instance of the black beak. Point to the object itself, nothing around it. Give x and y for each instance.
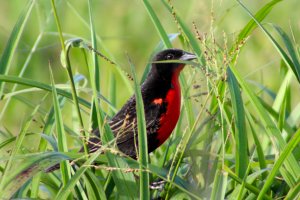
(187, 56)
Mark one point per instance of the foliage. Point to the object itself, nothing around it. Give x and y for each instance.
(237, 136)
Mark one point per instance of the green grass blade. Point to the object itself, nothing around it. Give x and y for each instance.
(18, 144)
(294, 115)
(57, 22)
(109, 185)
(248, 186)
(61, 136)
(294, 193)
(282, 90)
(187, 101)
(260, 15)
(259, 149)
(269, 125)
(65, 54)
(292, 166)
(282, 158)
(69, 186)
(112, 93)
(28, 166)
(142, 138)
(94, 186)
(250, 180)
(281, 52)
(283, 111)
(291, 50)
(287, 127)
(251, 25)
(185, 141)
(43, 86)
(94, 44)
(161, 31)
(242, 158)
(96, 69)
(13, 41)
(24, 67)
(219, 187)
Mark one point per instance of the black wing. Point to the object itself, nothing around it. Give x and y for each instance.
(124, 127)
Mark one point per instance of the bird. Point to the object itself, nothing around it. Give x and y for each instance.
(161, 96)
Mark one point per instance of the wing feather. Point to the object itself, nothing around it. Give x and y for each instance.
(124, 126)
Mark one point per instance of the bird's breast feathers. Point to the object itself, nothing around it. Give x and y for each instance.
(168, 120)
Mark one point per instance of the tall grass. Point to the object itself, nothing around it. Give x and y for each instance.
(236, 138)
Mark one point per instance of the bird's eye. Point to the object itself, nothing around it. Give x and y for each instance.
(169, 56)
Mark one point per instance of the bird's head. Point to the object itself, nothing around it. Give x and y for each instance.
(164, 68)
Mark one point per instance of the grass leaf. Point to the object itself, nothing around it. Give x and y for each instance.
(242, 158)
(142, 138)
(61, 136)
(282, 158)
(7, 55)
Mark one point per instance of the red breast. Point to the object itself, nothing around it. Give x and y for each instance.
(169, 119)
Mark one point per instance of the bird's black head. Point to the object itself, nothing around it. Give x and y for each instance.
(167, 69)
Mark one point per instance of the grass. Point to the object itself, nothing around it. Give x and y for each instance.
(238, 134)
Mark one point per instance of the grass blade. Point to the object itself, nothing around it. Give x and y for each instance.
(43, 86)
(281, 52)
(291, 164)
(7, 172)
(61, 136)
(13, 41)
(68, 187)
(27, 167)
(33, 49)
(269, 125)
(161, 31)
(123, 190)
(282, 90)
(219, 187)
(242, 158)
(259, 149)
(294, 193)
(94, 185)
(142, 138)
(65, 54)
(251, 25)
(248, 186)
(291, 50)
(283, 156)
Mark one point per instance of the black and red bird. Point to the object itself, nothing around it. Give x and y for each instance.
(162, 98)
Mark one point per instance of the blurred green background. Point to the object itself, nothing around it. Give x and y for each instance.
(125, 28)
